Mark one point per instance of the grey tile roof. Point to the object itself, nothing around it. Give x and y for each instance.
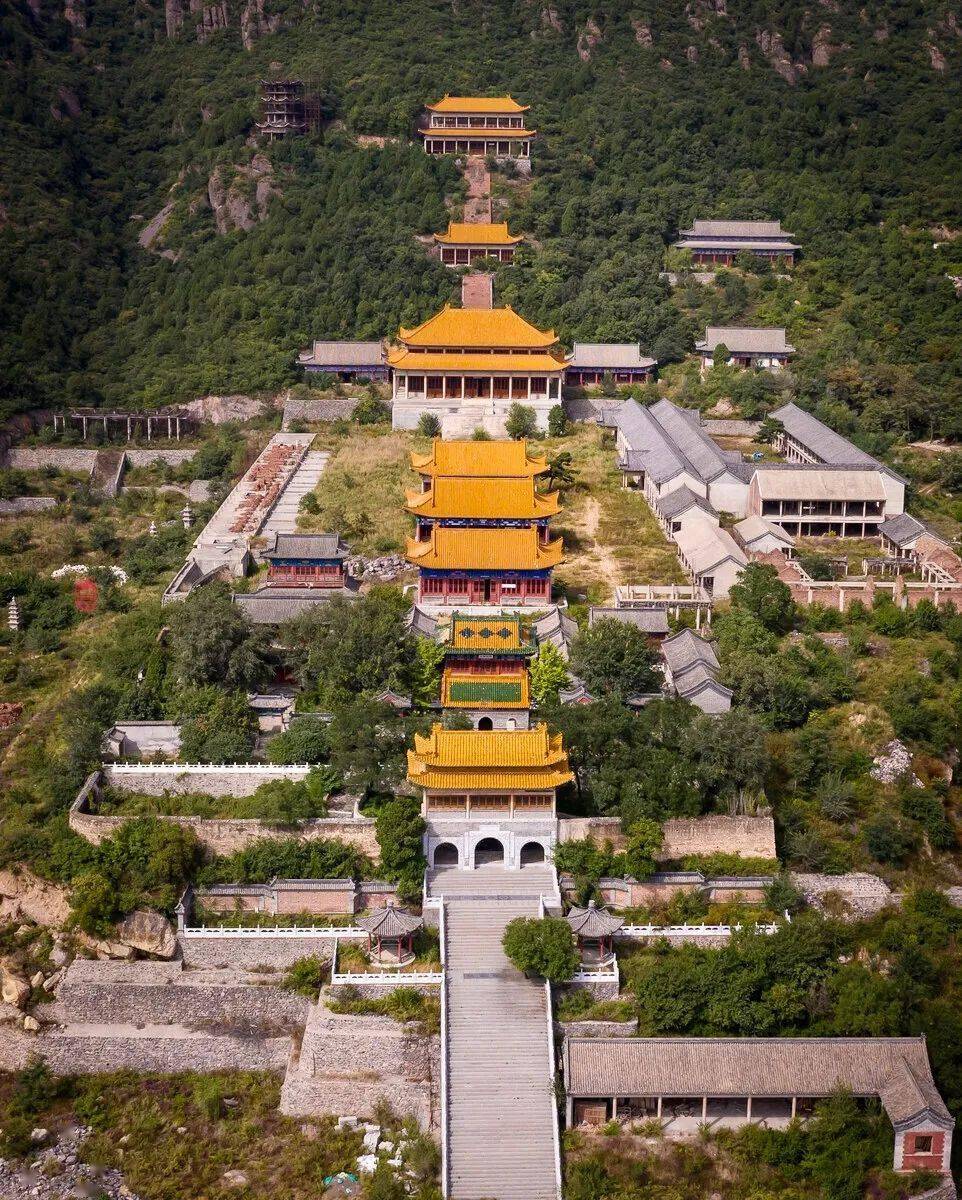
(556, 628)
(703, 545)
(422, 623)
(758, 233)
(273, 606)
(680, 501)
(593, 922)
(695, 242)
(683, 427)
(588, 355)
(902, 529)
(824, 443)
(697, 677)
(343, 354)
(306, 545)
(648, 620)
(743, 339)
(390, 922)
(894, 1069)
(685, 649)
(648, 441)
(752, 528)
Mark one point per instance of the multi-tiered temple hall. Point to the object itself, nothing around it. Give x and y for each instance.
(482, 534)
(485, 675)
(468, 366)
(477, 125)
(466, 243)
(488, 797)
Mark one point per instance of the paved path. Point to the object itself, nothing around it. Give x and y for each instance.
(283, 518)
(477, 291)
(501, 1115)
(477, 208)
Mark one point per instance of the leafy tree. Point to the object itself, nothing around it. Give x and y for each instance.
(400, 833)
(426, 672)
(645, 839)
(304, 741)
(211, 641)
(367, 742)
(371, 409)
(216, 726)
(558, 423)
(521, 422)
(614, 659)
(543, 947)
(287, 858)
(549, 673)
(560, 472)
(760, 592)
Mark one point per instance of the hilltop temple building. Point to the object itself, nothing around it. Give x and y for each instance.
(477, 125)
(468, 366)
(482, 533)
(467, 243)
(488, 797)
(719, 243)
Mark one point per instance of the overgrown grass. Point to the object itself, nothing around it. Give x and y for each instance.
(401, 1004)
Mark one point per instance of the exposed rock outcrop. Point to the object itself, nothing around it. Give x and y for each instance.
(642, 32)
(822, 48)
(772, 46)
(174, 17)
(213, 17)
(14, 988)
(692, 54)
(244, 201)
(936, 57)
(25, 896)
(744, 59)
(148, 932)
(588, 38)
(551, 20)
(254, 23)
(75, 14)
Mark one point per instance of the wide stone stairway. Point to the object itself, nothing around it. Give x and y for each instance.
(501, 1117)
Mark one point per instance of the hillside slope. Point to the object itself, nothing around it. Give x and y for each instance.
(132, 121)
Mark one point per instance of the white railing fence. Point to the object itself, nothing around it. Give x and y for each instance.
(694, 931)
(271, 931)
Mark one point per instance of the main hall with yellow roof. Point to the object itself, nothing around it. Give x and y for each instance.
(467, 366)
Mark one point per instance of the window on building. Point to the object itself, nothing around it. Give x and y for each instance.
(923, 1143)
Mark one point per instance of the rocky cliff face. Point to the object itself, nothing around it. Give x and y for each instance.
(204, 19)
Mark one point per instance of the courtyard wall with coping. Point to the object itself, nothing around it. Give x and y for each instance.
(216, 836)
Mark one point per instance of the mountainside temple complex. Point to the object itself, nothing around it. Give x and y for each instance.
(484, 125)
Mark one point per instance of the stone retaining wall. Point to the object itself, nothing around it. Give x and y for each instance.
(151, 779)
(138, 1050)
(749, 837)
(149, 993)
(346, 1064)
(373, 991)
(242, 953)
(216, 836)
(145, 458)
(597, 1029)
(21, 505)
(65, 458)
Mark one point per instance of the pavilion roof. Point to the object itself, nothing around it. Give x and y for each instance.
(481, 234)
(461, 688)
(390, 922)
(593, 922)
(477, 104)
(488, 328)
(483, 499)
(490, 460)
(475, 364)
(501, 634)
(502, 760)
(479, 549)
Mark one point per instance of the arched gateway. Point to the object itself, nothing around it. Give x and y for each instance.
(446, 855)
(531, 853)
(489, 850)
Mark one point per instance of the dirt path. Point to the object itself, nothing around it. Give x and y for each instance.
(601, 554)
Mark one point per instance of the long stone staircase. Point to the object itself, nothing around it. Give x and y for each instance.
(501, 1122)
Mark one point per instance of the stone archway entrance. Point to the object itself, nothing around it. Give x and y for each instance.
(446, 855)
(485, 723)
(489, 852)
(532, 853)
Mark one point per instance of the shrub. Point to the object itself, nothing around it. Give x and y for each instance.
(544, 947)
(429, 425)
(306, 976)
(521, 422)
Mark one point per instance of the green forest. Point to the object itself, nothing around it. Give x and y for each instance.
(648, 118)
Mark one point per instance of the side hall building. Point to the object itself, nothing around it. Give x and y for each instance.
(482, 125)
(688, 1082)
(714, 243)
(765, 349)
(590, 362)
(467, 366)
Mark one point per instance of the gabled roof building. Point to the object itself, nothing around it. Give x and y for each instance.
(763, 348)
(720, 242)
(691, 671)
(349, 361)
(590, 362)
(467, 366)
(306, 560)
(480, 125)
(687, 1081)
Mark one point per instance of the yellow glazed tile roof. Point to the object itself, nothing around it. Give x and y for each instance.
(473, 549)
(479, 134)
(490, 460)
(481, 234)
(476, 364)
(449, 759)
(488, 689)
(483, 328)
(483, 499)
(503, 632)
(478, 104)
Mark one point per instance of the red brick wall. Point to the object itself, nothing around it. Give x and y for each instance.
(927, 1161)
(339, 901)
